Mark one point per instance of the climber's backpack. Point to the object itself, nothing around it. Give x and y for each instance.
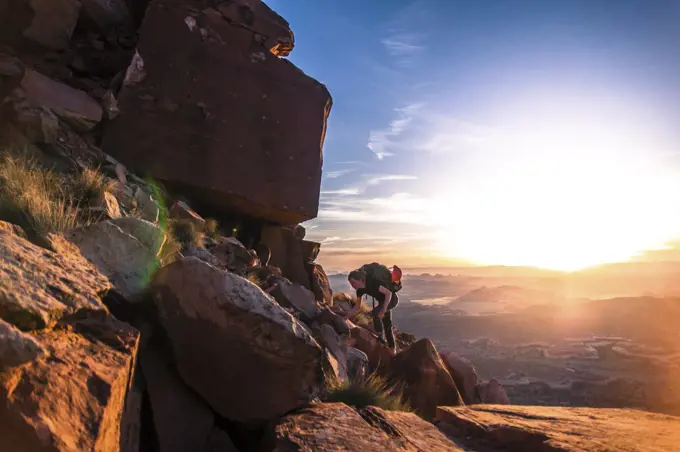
(383, 275)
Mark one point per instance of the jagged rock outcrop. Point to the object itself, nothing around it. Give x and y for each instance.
(560, 429)
(335, 426)
(209, 313)
(39, 287)
(71, 397)
(210, 88)
(426, 382)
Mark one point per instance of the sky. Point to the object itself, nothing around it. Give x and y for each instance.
(511, 132)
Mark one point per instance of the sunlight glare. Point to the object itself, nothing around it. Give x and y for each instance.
(561, 194)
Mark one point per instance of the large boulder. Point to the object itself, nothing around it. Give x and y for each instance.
(463, 373)
(183, 422)
(327, 427)
(73, 396)
(234, 345)
(286, 253)
(125, 250)
(39, 287)
(426, 382)
(527, 428)
(211, 89)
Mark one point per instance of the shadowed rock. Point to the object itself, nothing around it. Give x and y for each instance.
(425, 380)
(234, 345)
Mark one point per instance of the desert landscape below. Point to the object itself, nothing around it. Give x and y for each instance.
(605, 336)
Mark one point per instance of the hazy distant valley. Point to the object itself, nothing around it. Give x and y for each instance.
(606, 336)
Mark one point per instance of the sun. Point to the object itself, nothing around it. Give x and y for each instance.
(564, 197)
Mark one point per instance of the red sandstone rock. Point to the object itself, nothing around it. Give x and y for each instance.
(71, 398)
(560, 429)
(426, 382)
(337, 427)
(221, 118)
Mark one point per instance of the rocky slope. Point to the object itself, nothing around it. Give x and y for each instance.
(129, 320)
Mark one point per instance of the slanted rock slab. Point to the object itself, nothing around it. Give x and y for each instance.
(125, 250)
(337, 427)
(561, 429)
(234, 345)
(73, 397)
(38, 287)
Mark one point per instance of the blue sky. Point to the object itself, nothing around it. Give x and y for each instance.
(512, 132)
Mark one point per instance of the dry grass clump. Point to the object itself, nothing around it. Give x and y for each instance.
(36, 199)
(363, 392)
(88, 186)
(212, 228)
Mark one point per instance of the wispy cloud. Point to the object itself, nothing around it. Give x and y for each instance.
(366, 181)
(350, 191)
(381, 141)
(338, 173)
(403, 44)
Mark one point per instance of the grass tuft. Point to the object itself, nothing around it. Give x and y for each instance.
(185, 233)
(88, 186)
(372, 390)
(36, 199)
(212, 228)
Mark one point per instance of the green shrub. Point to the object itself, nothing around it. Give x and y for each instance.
(372, 390)
(35, 198)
